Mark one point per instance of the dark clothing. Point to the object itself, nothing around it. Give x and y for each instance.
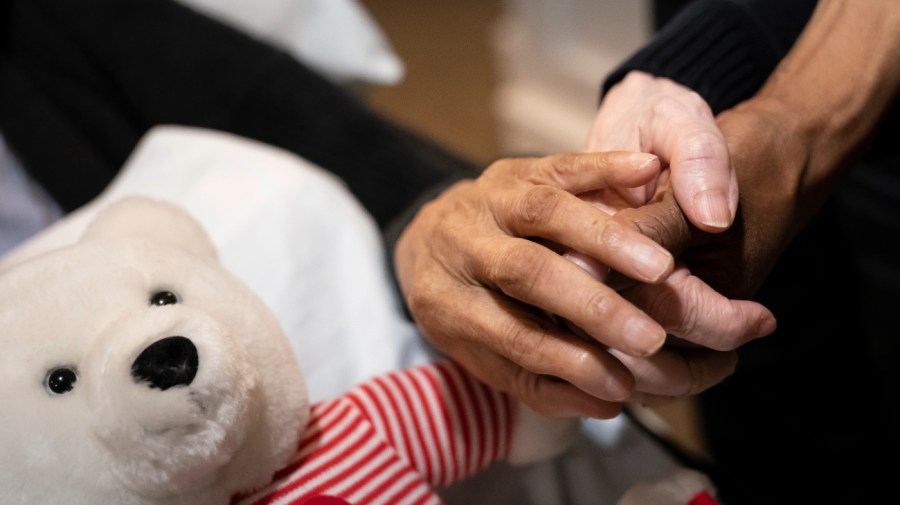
(811, 413)
(724, 50)
(81, 82)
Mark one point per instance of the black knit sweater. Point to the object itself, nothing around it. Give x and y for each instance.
(722, 49)
(81, 82)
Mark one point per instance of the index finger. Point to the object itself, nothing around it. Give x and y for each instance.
(586, 171)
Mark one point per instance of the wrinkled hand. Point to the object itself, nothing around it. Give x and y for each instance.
(790, 144)
(659, 116)
(705, 327)
(481, 286)
(656, 115)
(770, 159)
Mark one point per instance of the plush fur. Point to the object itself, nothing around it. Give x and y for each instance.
(136, 370)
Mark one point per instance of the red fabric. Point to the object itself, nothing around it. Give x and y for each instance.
(393, 439)
(703, 498)
(323, 500)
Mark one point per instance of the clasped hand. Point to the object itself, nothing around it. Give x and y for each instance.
(507, 273)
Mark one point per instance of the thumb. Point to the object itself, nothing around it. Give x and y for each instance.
(703, 179)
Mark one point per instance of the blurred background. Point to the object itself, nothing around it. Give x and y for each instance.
(494, 78)
(497, 77)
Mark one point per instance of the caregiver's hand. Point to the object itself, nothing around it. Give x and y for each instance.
(659, 116)
(480, 285)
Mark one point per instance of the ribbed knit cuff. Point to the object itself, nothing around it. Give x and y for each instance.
(716, 48)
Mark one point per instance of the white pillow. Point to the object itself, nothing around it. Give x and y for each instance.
(336, 37)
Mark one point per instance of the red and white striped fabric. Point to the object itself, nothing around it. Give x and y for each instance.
(393, 438)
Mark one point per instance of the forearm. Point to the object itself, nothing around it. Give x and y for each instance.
(836, 85)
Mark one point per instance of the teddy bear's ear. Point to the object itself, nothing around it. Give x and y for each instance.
(146, 218)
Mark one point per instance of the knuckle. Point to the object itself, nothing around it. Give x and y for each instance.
(599, 306)
(531, 390)
(693, 100)
(537, 204)
(689, 321)
(555, 169)
(689, 309)
(711, 319)
(525, 385)
(658, 303)
(702, 146)
(667, 105)
(497, 168)
(632, 78)
(424, 303)
(516, 269)
(421, 299)
(729, 336)
(677, 99)
(613, 234)
(521, 339)
(577, 361)
(564, 163)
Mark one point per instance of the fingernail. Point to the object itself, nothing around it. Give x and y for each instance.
(712, 209)
(646, 160)
(767, 326)
(643, 336)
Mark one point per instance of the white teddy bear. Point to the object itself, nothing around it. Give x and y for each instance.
(136, 370)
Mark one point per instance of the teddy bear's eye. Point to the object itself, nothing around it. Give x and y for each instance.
(163, 298)
(60, 380)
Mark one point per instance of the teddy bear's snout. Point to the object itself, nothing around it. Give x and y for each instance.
(166, 363)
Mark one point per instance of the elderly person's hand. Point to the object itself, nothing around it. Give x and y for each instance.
(481, 272)
(792, 143)
(659, 116)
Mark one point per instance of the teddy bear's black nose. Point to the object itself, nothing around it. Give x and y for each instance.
(168, 362)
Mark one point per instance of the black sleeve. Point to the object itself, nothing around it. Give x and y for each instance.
(722, 49)
(81, 82)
